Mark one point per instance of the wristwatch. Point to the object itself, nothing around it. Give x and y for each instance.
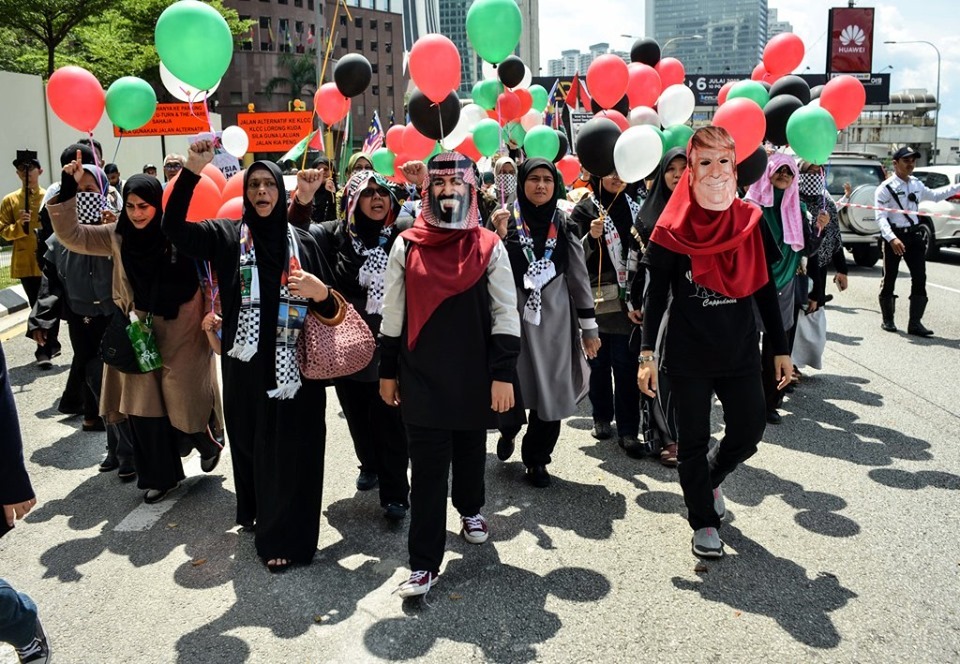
(647, 358)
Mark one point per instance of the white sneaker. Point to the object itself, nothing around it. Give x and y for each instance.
(474, 529)
(707, 543)
(419, 583)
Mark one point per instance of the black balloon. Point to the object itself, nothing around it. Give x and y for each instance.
(433, 120)
(777, 111)
(815, 92)
(752, 168)
(623, 106)
(595, 143)
(352, 74)
(791, 85)
(766, 85)
(564, 145)
(511, 71)
(646, 51)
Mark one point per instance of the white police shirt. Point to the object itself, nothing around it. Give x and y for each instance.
(910, 193)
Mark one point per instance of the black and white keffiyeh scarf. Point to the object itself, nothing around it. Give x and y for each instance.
(374, 266)
(290, 317)
(540, 270)
(814, 195)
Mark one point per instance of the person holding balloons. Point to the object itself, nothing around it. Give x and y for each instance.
(605, 216)
(556, 307)
(707, 269)
(176, 407)
(265, 266)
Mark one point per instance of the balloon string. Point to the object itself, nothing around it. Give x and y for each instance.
(440, 117)
(117, 151)
(101, 184)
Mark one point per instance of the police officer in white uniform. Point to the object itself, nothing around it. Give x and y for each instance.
(903, 238)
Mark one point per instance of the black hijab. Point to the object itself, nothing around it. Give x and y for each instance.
(538, 218)
(161, 279)
(658, 196)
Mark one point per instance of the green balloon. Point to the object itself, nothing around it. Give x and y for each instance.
(540, 100)
(193, 40)
(131, 102)
(485, 93)
(383, 161)
(676, 136)
(812, 133)
(750, 90)
(515, 132)
(493, 27)
(436, 150)
(486, 136)
(663, 137)
(542, 142)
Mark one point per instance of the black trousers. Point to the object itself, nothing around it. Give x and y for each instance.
(86, 368)
(378, 436)
(156, 452)
(773, 397)
(31, 286)
(619, 397)
(915, 255)
(539, 440)
(432, 453)
(687, 403)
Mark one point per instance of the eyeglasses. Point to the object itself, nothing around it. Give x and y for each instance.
(379, 191)
(172, 167)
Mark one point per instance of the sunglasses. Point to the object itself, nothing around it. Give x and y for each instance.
(379, 191)
(172, 167)
(784, 171)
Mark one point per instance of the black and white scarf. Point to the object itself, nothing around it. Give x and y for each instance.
(813, 194)
(373, 269)
(540, 270)
(291, 314)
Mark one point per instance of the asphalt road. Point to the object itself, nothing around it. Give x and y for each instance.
(842, 541)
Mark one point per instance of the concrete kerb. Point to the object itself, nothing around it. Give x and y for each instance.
(12, 300)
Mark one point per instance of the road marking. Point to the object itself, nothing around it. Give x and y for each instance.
(947, 288)
(145, 516)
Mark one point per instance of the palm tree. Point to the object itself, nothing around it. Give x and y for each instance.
(301, 72)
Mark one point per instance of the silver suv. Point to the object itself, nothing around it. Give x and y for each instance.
(858, 226)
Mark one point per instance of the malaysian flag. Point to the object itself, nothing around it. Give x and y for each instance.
(374, 139)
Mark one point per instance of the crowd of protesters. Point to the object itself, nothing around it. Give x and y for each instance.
(500, 301)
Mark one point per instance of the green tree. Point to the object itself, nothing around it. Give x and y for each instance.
(301, 72)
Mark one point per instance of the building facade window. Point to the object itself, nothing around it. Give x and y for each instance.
(388, 26)
(375, 89)
(343, 20)
(343, 42)
(375, 67)
(358, 44)
(389, 90)
(373, 24)
(266, 36)
(373, 46)
(358, 22)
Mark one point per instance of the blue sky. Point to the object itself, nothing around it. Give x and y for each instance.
(914, 66)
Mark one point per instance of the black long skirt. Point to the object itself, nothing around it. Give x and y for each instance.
(277, 448)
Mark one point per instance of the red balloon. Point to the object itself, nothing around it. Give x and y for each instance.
(415, 144)
(206, 200)
(77, 97)
(231, 209)
(616, 116)
(758, 72)
(744, 120)
(331, 106)
(216, 175)
(643, 86)
(468, 149)
(508, 106)
(783, 54)
(843, 97)
(401, 159)
(526, 100)
(607, 80)
(233, 188)
(724, 91)
(435, 66)
(671, 72)
(569, 168)
(394, 139)
(771, 78)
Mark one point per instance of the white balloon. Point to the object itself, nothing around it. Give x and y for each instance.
(675, 105)
(531, 119)
(235, 141)
(643, 115)
(527, 79)
(474, 113)
(489, 71)
(637, 153)
(181, 90)
(460, 132)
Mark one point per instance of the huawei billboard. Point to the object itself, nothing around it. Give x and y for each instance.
(850, 49)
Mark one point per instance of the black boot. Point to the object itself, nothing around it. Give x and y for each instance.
(888, 306)
(917, 306)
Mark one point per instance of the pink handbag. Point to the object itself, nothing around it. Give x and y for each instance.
(334, 347)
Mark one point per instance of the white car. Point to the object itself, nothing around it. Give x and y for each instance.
(858, 226)
(940, 231)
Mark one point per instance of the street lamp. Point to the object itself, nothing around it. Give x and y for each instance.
(663, 49)
(936, 123)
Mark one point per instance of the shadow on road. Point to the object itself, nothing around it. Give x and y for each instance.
(753, 580)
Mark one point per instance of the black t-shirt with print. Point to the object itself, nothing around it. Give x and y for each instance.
(706, 334)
